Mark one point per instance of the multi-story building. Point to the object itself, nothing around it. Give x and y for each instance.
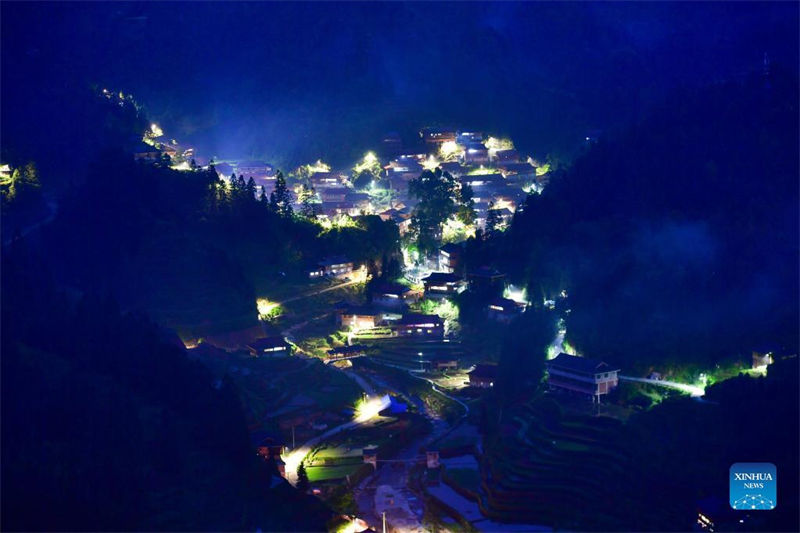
(582, 376)
(439, 284)
(450, 257)
(420, 326)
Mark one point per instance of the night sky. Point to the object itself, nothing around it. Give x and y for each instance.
(296, 81)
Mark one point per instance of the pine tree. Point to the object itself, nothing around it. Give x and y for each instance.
(308, 208)
(281, 198)
(302, 478)
(492, 221)
(251, 188)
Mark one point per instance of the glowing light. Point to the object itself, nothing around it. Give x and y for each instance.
(502, 203)
(494, 144)
(356, 525)
(454, 230)
(181, 166)
(292, 461)
(542, 170)
(155, 130)
(369, 408)
(450, 150)
(518, 295)
(267, 310)
(369, 164)
(431, 163)
(319, 166)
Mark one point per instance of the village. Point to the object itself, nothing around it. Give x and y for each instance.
(368, 392)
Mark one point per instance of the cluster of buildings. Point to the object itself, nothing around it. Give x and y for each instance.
(500, 179)
(388, 311)
(499, 176)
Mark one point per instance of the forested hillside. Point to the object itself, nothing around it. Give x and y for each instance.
(679, 240)
(109, 426)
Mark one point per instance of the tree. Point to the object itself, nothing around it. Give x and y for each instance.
(522, 357)
(466, 201)
(308, 208)
(302, 478)
(23, 188)
(437, 192)
(280, 200)
(250, 188)
(492, 221)
(362, 179)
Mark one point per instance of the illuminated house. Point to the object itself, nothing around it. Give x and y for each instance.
(516, 172)
(506, 155)
(437, 136)
(420, 326)
(453, 168)
(255, 169)
(324, 180)
(582, 376)
(504, 216)
(443, 365)
(333, 194)
(442, 284)
(391, 295)
(269, 346)
(476, 153)
(401, 217)
(467, 137)
(331, 209)
(485, 278)
(168, 149)
(450, 257)
(504, 310)
(357, 317)
(145, 152)
(483, 180)
(314, 271)
(483, 376)
(336, 265)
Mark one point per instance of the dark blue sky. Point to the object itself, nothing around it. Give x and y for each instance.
(292, 81)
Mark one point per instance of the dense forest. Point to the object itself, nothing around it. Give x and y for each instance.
(678, 241)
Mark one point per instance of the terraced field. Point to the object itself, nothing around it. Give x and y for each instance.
(405, 351)
(552, 467)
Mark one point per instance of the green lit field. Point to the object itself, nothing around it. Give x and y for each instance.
(318, 474)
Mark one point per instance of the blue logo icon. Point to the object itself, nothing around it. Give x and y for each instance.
(753, 486)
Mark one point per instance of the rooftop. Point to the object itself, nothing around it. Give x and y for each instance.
(267, 343)
(442, 277)
(452, 247)
(334, 260)
(580, 365)
(390, 288)
(415, 318)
